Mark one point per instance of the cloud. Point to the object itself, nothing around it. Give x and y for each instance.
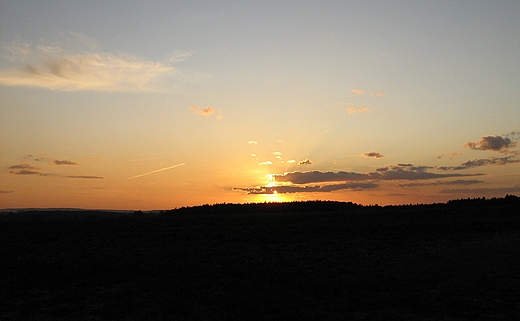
(377, 94)
(180, 55)
(265, 163)
(306, 161)
(206, 112)
(494, 143)
(24, 169)
(26, 172)
(353, 110)
(291, 161)
(386, 173)
(480, 191)
(481, 162)
(358, 91)
(450, 156)
(252, 142)
(373, 155)
(24, 166)
(86, 177)
(455, 182)
(27, 169)
(64, 162)
(5, 192)
(71, 68)
(284, 189)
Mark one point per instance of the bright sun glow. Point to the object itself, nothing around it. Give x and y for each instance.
(272, 198)
(270, 181)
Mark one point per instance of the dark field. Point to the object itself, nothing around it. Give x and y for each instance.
(366, 263)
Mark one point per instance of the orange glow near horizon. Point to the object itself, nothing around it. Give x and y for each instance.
(272, 198)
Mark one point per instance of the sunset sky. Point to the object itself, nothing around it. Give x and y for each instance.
(162, 104)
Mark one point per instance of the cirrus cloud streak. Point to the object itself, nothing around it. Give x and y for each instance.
(88, 69)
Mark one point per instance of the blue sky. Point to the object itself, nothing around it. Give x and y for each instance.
(246, 94)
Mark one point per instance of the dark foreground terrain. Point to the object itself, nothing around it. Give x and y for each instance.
(458, 261)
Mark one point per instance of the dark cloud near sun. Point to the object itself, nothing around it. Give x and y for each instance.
(284, 189)
(6, 192)
(493, 143)
(373, 155)
(386, 173)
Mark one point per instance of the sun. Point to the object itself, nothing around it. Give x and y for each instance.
(272, 198)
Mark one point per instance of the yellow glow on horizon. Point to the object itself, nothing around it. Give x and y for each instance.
(272, 198)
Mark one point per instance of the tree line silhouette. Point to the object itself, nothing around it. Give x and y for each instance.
(509, 202)
(336, 206)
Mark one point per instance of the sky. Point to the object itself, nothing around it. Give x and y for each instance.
(146, 105)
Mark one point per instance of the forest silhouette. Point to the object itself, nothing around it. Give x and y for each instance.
(269, 261)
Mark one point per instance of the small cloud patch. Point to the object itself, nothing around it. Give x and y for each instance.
(306, 161)
(373, 155)
(358, 91)
(64, 162)
(493, 143)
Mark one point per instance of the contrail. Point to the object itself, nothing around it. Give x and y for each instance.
(157, 170)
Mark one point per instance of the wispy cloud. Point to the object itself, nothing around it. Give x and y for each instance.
(64, 162)
(454, 182)
(24, 169)
(480, 191)
(449, 156)
(71, 68)
(180, 55)
(206, 112)
(354, 110)
(373, 155)
(6, 192)
(28, 169)
(252, 142)
(481, 162)
(358, 91)
(24, 166)
(85, 177)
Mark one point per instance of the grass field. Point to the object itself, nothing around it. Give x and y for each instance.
(401, 263)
